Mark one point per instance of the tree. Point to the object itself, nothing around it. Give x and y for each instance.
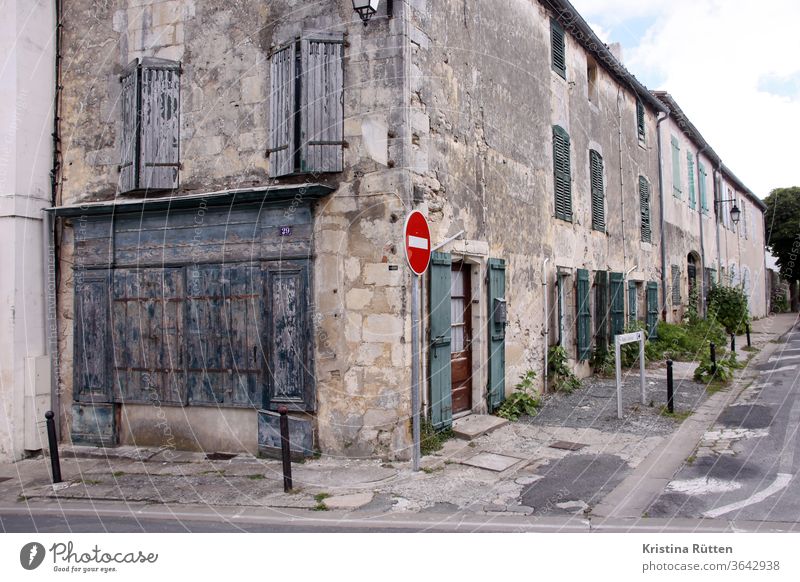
(782, 221)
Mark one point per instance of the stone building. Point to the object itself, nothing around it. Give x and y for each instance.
(231, 200)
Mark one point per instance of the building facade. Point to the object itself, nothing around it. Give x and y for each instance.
(231, 201)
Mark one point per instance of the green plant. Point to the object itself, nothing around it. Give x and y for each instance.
(430, 439)
(779, 303)
(524, 400)
(685, 341)
(117, 473)
(603, 361)
(564, 380)
(692, 309)
(728, 306)
(320, 499)
(256, 477)
(723, 373)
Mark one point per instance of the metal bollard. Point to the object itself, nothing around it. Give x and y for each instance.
(55, 463)
(747, 331)
(286, 453)
(733, 344)
(713, 358)
(670, 393)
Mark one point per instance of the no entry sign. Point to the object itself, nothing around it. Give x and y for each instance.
(417, 242)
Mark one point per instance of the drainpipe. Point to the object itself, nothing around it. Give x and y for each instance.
(546, 320)
(700, 214)
(621, 177)
(717, 208)
(661, 209)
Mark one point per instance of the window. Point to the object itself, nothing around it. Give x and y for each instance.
(644, 204)
(676, 168)
(558, 49)
(591, 78)
(562, 174)
(690, 167)
(307, 106)
(640, 125)
(702, 176)
(150, 141)
(598, 201)
(676, 285)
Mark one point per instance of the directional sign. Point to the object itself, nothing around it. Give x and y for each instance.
(417, 242)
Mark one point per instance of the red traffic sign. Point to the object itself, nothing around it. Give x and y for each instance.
(417, 242)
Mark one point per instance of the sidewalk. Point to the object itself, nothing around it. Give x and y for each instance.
(562, 462)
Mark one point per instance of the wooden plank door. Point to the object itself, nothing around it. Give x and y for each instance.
(461, 337)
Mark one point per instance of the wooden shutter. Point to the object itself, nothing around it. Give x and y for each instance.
(439, 343)
(676, 285)
(644, 203)
(92, 381)
(562, 174)
(159, 157)
(652, 310)
(558, 48)
(676, 168)
(601, 308)
(640, 121)
(617, 304)
(497, 335)
(584, 319)
(701, 176)
(281, 150)
(690, 166)
(598, 199)
(633, 301)
(129, 144)
(322, 103)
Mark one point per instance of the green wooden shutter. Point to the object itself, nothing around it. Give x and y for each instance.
(640, 125)
(676, 168)
(676, 285)
(558, 49)
(701, 175)
(584, 319)
(562, 174)
(632, 302)
(617, 304)
(690, 166)
(497, 335)
(601, 308)
(439, 341)
(598, 202)
(652, 309)
(644, 202)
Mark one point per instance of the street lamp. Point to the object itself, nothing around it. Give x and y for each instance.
(736, 214)
(365, 9)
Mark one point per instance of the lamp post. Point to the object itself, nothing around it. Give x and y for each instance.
(736, 215)
(365, 9)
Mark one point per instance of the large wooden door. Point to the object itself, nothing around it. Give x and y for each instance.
(461, 337)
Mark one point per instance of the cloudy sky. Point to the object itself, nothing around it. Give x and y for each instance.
(732, 65)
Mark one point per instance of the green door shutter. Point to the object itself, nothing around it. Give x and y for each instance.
(598, 202)
(439, 360)
(617, 304)
(644, 202)
(562, 175)
(652, 309)
(690, 166)
(701, 176)
(497, 335)
(632, 302)
(584, 319)
(601, 308)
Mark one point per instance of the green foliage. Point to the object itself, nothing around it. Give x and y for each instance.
(692, 310)
(779, 303)
(686, 341)
(431, 440)
(524, 400)
(603, 361)
(723, 373)
(728, 305)
(564, 380)
(781, 219)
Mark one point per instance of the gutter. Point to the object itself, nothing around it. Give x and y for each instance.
(663, 221)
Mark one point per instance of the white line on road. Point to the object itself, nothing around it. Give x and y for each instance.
(782, 357)
(783, 369)
(781, 481)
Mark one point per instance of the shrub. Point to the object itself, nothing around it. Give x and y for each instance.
(728, 305)
(779, 303)
(430, 439)
(603, 361)
(724, 370)
(524, 400)
(687, 341)
(564, 380)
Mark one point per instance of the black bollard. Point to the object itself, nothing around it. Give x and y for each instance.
(747, 331)
(670, 393)
(55, 463)
(286, 453)
(713, 358)
(733, 344)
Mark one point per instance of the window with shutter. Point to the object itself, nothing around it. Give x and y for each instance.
(558, 49)
(584, 319)
(601, 308)
(676, 168)
(598, 201)
(640, 125)
(150, 143)
(701, 176)
(644, 203)
(562, 173)
(281, 150)
(690, 167)
(676, 285)
(617, 281)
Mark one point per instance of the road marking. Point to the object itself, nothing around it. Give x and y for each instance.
(781, 481)
(782, 357)
(703, 485)
(783, 369)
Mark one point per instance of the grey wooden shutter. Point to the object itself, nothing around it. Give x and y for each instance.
(632, 302)
(676, 285)
(676, 168)
(640, 122)
(129, 154)
(322, 103)
(282, 150)
(644, 202)
(558, 49)
(562, 174)
(160, 124)
(92, 381)
(598, 202)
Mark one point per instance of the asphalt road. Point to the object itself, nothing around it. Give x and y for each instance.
(755, 478)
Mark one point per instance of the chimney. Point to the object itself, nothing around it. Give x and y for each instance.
(616, 50)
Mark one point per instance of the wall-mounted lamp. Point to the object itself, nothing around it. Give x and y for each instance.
(736, 214)
(365, 9)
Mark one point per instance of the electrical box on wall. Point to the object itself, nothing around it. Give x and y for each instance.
(499, 311)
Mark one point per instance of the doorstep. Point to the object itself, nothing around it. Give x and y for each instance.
(475, 425)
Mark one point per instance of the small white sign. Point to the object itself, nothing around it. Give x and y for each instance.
(417, 242)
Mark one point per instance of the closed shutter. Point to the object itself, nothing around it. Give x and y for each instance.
(129, 154)
(701, 176)
(497, 335)
(676, 168)
(562, 174)
(644, 202)
(322, 104)
(598, 202)
(160, 125)
(652, 310)
(690, 167)
(439, 343)
(91, 377)
(676, 285)
(558, 49)
(632, 302)
(617, 304)
(584, 319)
(640, 121)
(601, 308)
(282, 111)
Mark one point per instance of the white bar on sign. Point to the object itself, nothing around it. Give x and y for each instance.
(417, 242)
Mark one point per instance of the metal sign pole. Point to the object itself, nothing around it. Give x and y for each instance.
(415, 316)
